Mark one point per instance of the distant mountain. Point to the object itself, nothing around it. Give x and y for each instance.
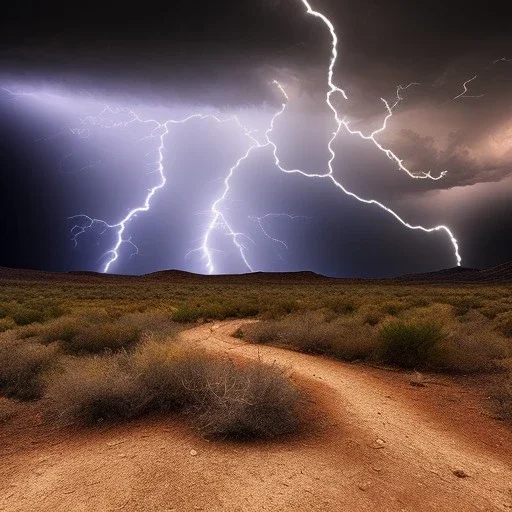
(499, 274)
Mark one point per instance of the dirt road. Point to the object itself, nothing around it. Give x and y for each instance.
(382, 445)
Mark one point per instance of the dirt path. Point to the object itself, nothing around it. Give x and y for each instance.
(383, 446)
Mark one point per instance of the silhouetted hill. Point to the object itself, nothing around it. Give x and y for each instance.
(501, 274)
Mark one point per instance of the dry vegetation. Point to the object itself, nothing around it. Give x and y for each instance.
(101, 349)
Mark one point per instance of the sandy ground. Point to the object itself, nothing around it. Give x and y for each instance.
(381, 445)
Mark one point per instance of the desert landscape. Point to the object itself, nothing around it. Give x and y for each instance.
(256, 256)
(174, 391)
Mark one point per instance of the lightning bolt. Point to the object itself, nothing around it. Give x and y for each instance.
(159, 131)
(465, 87)
(219, 221)
(218, 216)
(259, 221)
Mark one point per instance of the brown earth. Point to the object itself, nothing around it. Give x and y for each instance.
(380, 445)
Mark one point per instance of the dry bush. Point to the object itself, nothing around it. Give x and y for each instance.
(58, 329)
(96, 389)
(157, 323)
(343, 338)
(254, 401)
(22, 368)
(95, 339)
(167, 373)
(472, 347)
(370, 314)
(30, 311)
(503, 324)
(352, 341)
(394, 308)
(221, 398)
(6, 324)
(269, 331)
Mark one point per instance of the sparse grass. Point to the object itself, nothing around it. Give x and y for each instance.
(62, 322)
(22, 368)
(453, 343)
(341, 338)
(112, 337)
(221, 398)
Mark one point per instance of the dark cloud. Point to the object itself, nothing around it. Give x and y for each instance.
(224, 54)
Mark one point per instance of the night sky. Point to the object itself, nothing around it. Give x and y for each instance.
(62, 154)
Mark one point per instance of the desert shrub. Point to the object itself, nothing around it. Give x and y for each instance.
(393, 308)
(410, 345)
(168, 375)
(34, 310)
(342, 338)
(24, 315)
(352, 341)
(154, 323)
(220, 398)
(471, 346)
(58, 329)
(6, 324)
(22, 368)
(216, 311)
(370, 315)
(342, 306)
(94, 339)
(269, 331)
(465, 304)
(503, 324)
(250, 401)
(186, 315)
(94, 389)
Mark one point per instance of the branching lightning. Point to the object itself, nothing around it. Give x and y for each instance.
(160, 131)
(218, 218)
(340, 122)
(260, 222)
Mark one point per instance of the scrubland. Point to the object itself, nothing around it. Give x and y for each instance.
(107, 350)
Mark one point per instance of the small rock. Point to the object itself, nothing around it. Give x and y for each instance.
(193, 453)
(377, 469)
(379, 443)
(460, 474)
(364, 486)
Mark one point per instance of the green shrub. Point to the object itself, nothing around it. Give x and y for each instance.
(186, 315)
(411, 345)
